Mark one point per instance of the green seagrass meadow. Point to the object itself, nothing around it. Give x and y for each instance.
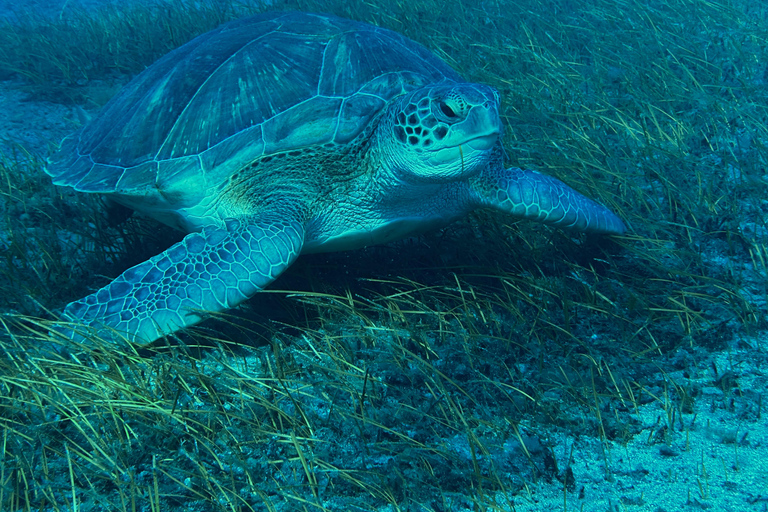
(493, 365)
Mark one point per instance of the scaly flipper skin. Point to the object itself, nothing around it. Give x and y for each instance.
(210, 271)
(535, 196)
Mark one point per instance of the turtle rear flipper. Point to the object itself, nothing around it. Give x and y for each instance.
(209, 271)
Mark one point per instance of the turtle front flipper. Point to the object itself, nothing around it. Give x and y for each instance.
(210, 271)
(535, 196)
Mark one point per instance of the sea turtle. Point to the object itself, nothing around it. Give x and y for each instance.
(290, 133)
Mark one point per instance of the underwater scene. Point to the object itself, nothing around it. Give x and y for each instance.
(384, 256)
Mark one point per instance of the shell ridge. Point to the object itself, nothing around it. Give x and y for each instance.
(201, 86)
(322, 68)
(122, 114)
(338, 121)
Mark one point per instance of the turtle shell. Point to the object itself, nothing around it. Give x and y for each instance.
(253, 87)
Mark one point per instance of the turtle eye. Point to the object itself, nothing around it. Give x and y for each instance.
(446, 109)
(446, 113)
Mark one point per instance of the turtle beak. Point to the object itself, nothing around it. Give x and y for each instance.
(473, 137)
(480, 130)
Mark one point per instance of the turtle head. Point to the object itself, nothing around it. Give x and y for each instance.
(442, 132)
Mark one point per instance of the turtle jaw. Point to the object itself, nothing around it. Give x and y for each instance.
(468, 145)
(467, 157)
(483, 142)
